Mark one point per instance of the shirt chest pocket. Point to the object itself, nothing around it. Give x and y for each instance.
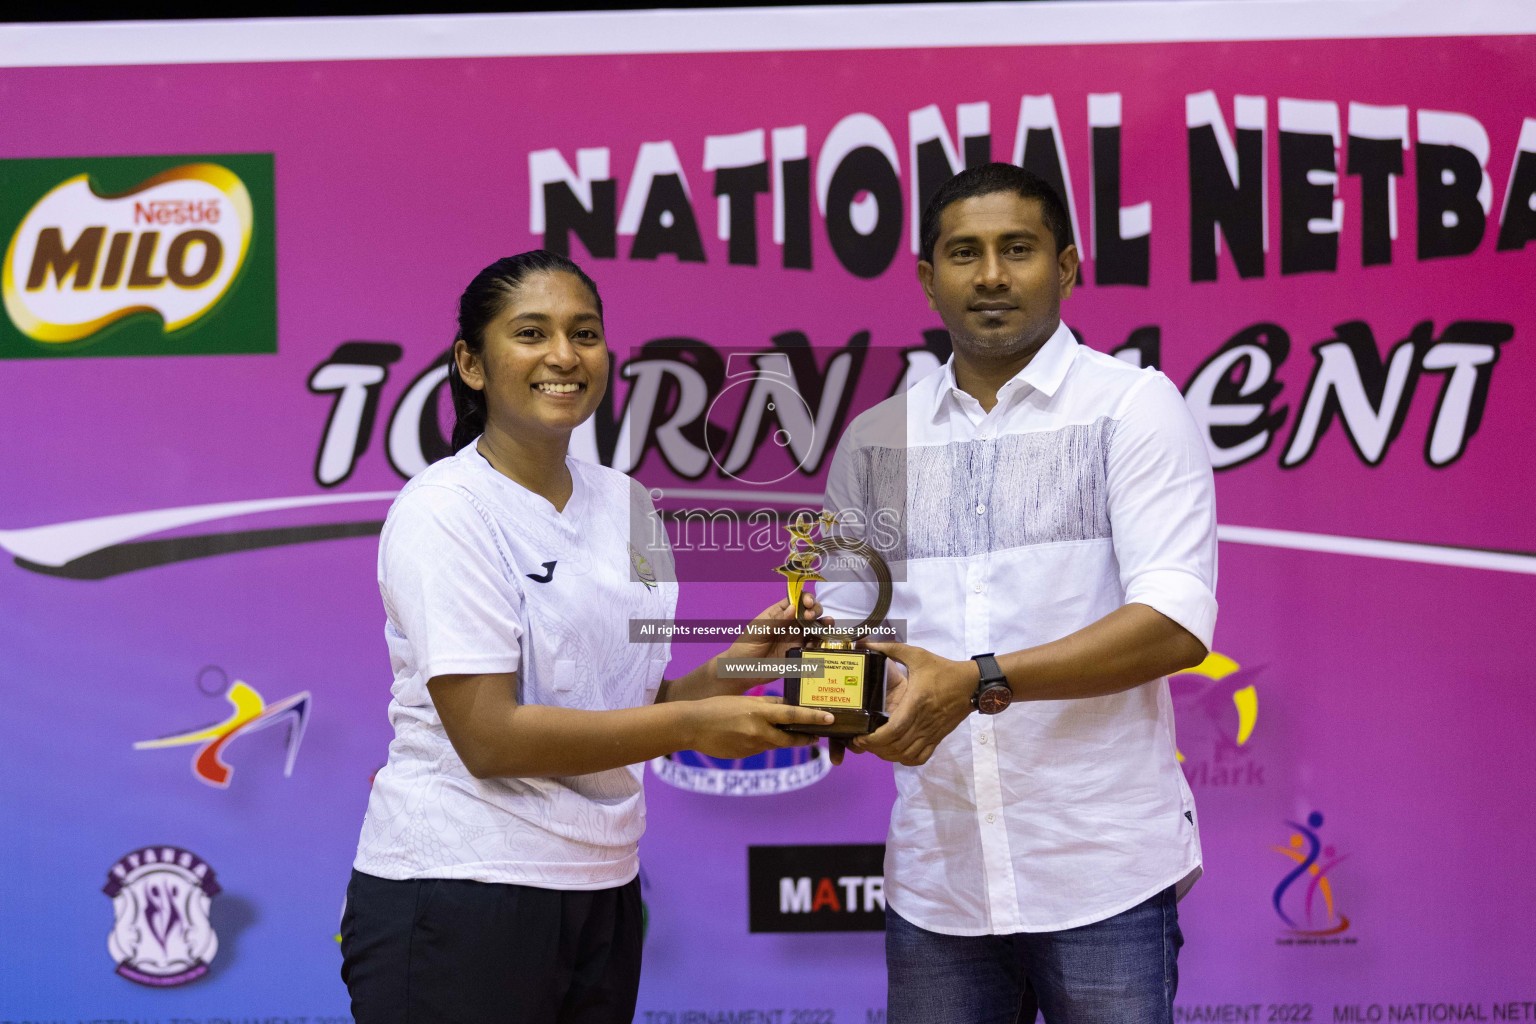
(575, 685)
(566, 671)
(1050, 487)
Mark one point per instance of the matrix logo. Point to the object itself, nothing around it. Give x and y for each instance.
(816, 888)
(138, 256)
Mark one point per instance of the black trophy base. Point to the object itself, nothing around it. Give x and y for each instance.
(851, 686)
(845, 722)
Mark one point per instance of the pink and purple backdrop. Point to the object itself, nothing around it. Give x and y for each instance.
(1389, 681)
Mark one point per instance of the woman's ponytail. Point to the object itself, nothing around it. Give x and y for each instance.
(468, 408)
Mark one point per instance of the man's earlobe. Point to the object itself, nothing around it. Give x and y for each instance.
(1068, 263)
(925, 279)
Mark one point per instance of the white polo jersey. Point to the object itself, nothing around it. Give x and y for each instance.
(480, 575)
(1085, 488)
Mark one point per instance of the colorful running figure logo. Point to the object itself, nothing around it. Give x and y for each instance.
(1313, 860)
(250, 714)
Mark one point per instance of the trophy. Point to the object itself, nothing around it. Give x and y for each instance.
(835, 675)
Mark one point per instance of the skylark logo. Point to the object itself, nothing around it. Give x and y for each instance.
(249, 713)
(135, 255)
(1218, 709)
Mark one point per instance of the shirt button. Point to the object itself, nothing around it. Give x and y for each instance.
(982, 739)
(981, 510)
(991, 817)
(978, 588)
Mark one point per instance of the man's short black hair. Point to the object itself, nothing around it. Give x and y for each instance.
(986, 180)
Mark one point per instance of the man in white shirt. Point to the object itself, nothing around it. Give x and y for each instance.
(1057, 540)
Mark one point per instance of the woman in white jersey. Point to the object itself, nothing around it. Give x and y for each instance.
(496, 875)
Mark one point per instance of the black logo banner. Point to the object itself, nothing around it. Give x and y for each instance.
(816, 888)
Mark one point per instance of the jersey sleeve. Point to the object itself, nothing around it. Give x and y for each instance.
(1162, 508)
(448, 586)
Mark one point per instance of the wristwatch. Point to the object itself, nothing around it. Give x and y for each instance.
(993, 693)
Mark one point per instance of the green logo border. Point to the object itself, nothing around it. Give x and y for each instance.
(244, 320)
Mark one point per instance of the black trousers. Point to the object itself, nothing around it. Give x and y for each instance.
(443, 951)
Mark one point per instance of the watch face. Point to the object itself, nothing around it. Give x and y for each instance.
(994, 699)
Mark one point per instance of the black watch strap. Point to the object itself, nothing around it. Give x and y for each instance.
(993, 693)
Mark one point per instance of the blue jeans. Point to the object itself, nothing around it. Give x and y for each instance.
(1122, 970)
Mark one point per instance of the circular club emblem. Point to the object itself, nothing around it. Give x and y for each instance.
(160, 896)
(643, 571)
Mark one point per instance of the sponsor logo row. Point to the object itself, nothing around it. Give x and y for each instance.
(162, 935)
(841, 888)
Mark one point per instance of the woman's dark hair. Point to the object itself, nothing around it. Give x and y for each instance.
(483, 301)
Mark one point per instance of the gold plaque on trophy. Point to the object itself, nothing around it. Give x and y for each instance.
(836, 675)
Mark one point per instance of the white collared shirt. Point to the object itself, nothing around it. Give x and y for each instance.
(1085, 488)
(479, 575)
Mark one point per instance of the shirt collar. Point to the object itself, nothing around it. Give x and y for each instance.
(1044, 372)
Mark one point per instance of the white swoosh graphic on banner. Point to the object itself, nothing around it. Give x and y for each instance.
(58, 543)
(1395, 550)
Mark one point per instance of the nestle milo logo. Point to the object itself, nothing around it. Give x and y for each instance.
(138, 256)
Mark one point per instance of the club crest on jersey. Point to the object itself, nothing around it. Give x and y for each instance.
(162, 936)
(643, 571)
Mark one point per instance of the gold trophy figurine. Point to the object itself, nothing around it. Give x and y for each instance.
(836, 676)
